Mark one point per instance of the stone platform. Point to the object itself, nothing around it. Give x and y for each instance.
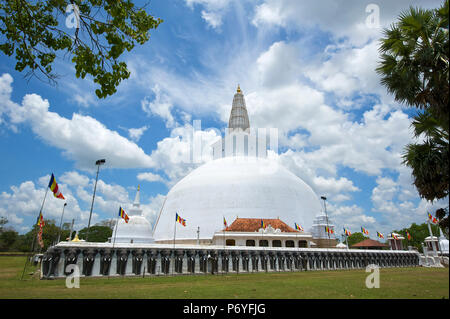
(106, 259)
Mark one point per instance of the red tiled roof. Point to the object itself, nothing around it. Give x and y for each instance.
(254, 224)
(369, 243)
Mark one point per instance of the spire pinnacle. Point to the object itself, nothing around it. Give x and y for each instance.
(239, 116)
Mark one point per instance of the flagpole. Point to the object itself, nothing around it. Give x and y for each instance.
(115, 232)
(60, 224)
(224, 241)
(173, 254)
(174, 232)
(346, 240)
(34, 235)
(114, 242)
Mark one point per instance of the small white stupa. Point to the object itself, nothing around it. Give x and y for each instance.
(137, 230)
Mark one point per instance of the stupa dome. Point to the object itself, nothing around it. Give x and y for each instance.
(233, 187)
(137, 230)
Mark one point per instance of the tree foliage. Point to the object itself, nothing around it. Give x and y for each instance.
(429, 159)
(98, 234)
(34, 32)
(414, 60)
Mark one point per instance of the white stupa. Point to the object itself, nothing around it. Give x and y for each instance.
(319, 227)
(241, 181)
(137, 230)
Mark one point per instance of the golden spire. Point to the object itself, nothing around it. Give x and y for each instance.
(238, 89)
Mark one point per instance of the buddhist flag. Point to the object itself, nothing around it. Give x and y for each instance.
(394, 236)
(123, 215)
(432, 219)
(298, 227)
(347, 232)
(263, 224)
(54, 187)
(380, 235)
(329, 230)
(180, 220)
(41, 224)
(40, 221)
(40, 241)
(408, 235)
(364, 231)
(225, 223)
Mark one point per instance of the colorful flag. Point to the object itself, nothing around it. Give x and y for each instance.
(225, 223)
(394, 235)
(54, 187)
(347, 232)
(263, 225)
(40, 220)
(408, 235)
(40, 241)
(432, 219)
(380, 235)
(123, 215)
(329, 230)
(298, 227)
(180, 220)
(41, 224)
(364, 231)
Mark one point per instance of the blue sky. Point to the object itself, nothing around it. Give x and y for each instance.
(306, 68)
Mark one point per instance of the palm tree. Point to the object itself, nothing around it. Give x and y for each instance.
(429, 160)
(414, 67)
(414, 63)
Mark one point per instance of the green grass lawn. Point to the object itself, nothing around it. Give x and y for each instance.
(394, 283)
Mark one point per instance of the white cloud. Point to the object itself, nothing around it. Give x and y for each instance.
(74, 178)
(213, 19)
(149, 177)
(81, 138)
(279, 65)
(84, 100)
(160, 106)
(152, 209)
(214, 10)
(136, 133)
(341, 18)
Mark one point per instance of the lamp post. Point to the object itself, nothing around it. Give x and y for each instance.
(325, 208)
(60, 223)
(98, 163)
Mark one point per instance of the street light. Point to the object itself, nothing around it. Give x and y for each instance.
(98, 163)
(60, 224)
(325, 207)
